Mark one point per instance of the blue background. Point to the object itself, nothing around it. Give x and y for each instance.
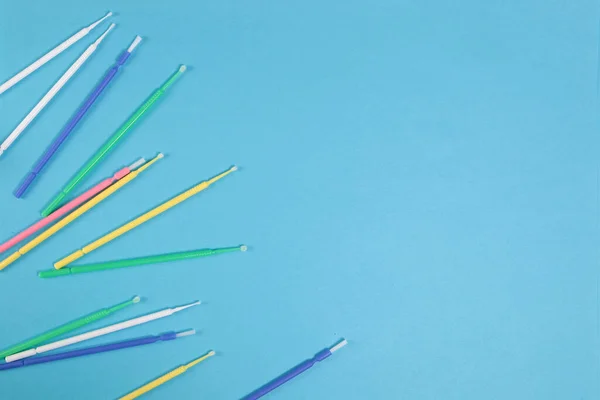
(419, 177)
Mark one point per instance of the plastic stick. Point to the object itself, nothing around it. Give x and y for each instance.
(71, 326)
(294, 372)
(112, 142)
(126, 344)
(70, 206)
(75, 214)
(99, 332)
(162, 258)
(140, 220)
(52, 92)
(75, 119)
(165, 378)
(50, 55)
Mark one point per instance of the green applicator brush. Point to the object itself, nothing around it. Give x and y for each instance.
(161, 258)
(112, 142)
(71, 326)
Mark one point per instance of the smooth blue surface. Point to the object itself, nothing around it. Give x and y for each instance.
(420, 177)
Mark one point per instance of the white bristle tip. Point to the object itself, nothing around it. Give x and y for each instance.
(244, 248)
(137, 299)
(186, 333)
(137, 164)
(338, 346)
(134, 44)
(106, 32)
(211, 353)
(234, 168)
(182, 68)
(160, 155)
(95, 24)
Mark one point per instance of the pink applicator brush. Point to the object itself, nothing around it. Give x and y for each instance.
(70, 206)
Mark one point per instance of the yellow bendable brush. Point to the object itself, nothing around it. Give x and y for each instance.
(76, 214)
(165, 378)
(140, 220)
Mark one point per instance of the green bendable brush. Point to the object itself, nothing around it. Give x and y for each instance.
(71, 326)
(111, 143)
(162, 258)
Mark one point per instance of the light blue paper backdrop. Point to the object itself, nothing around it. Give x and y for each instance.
(419, 177)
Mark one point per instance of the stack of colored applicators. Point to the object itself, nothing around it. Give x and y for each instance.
(27, 353)
(61, 212)
(92, 197)
(59, 84)
(77, 207)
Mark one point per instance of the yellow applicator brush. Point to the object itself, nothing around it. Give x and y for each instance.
(141, 219)
(165, 378)
(76, 214)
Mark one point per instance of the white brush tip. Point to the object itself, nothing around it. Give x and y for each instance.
(189, 332)
(106, 32)
(160, 155)
(234, 168)
(243, 248)
(182, 68)
(134, 44)
(95, 24)
(211, 353)
(338, 346)
(137, 164)
(185, 307)
(137, 299)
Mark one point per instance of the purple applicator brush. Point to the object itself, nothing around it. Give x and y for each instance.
(294, 372)
(141, 341)
(68, 129)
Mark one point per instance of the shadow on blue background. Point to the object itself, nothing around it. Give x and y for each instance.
(419, 177)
